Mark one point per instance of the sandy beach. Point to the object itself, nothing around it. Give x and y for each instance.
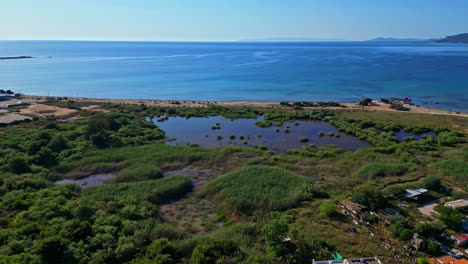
(375, 105)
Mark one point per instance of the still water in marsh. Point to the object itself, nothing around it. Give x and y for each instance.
(199, 131)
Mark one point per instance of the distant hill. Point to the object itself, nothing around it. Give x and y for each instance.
(397, 40)
(460, 38)
(291, 40)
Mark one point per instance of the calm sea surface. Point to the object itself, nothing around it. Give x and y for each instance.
(433, 75)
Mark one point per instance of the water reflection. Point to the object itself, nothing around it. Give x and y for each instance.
(246, 133)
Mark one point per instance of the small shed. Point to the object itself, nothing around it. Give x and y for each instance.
(414, 193)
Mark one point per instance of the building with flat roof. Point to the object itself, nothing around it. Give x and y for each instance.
(462, 203)
(414, 193)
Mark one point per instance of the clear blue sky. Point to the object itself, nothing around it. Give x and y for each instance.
(230, 20)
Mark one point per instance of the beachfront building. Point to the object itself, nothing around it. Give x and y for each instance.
(458, 204)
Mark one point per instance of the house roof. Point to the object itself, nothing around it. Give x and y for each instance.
(457, 203)
(462, 238)
(447, 260)
(414, 192)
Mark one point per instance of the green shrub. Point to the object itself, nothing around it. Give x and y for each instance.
(140, 173)
(451, 217)
(379, 169)
(369, 196)
(327, 208)
(154, 191)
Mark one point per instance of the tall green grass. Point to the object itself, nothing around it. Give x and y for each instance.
(379, 169)
(140, 173)
(154, 191)
(118, 158)
(257, 189)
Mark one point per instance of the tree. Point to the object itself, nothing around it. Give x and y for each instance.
(451, 217)
(433, 248)
(327, 208)
(9, 92)
(52, 249)
(365, 101)
(431, 182)
(18, 165)
(369, 196)
(406, 234)
(214, 252)
(314, 248)
(160, 251)
(422, 260)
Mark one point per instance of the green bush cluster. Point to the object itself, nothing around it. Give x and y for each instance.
(379, 169)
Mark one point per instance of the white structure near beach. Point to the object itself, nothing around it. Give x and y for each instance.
(462, 203)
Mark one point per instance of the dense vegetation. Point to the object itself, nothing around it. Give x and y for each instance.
(252, 189)
(265, 207)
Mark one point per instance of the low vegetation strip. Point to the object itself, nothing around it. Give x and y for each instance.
(379, 169)
(258, 189)
(156, 154)
(154, 191)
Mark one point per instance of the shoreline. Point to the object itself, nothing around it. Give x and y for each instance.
(375, 106)
(16, 58)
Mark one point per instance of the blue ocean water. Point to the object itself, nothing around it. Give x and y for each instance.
(433, 75)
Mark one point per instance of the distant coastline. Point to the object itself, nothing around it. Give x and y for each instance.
(16, 58)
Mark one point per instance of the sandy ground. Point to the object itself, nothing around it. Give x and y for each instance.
(376, 105)
(428, 209)
(42, 110)
(95, 108)
(11, 117)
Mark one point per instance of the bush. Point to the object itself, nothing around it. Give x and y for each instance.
(451, 217)
(253, 189)
(327, 208)
(433, 248)
(406, 234)
(431, 182)
(18, 165)
(214, 252)
(365, 101)
(140, 173)
(378, 169)
(304, 139)
(369, 196)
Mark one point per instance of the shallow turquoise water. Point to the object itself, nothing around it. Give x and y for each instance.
(434, 75)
